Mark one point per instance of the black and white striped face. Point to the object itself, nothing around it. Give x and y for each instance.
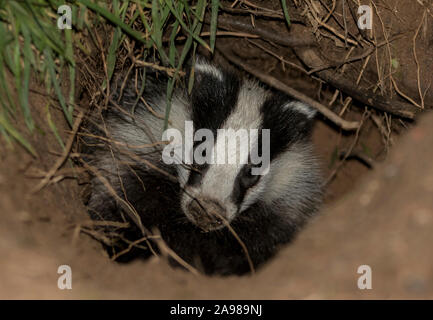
(215, 193)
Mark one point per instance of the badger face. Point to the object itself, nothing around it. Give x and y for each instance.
(277, 134)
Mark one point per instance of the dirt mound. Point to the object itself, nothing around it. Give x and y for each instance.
(385, 223)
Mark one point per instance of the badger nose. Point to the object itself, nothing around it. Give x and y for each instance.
(208, 214)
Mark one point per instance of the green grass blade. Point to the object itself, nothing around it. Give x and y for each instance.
(53, 127)
(6, 137)
(157, 30)
(286, 12)
(213, 23)
(10, 105)
(185, 27)
(24, 88)
(4, 123)
(172, 48)
(113, 19)
(70, 53)
(112, 52)
(52, 74)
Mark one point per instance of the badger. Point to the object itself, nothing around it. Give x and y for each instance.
(218, 218)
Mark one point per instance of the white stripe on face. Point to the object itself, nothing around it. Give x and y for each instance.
(219, 179)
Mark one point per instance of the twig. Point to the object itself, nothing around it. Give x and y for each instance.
(345, 24)
(361, 56)
(416, 60)
(131, 245)
(286, 40)
(310, 57)
(396, 107)
(130, 209)
(401, 93)
(221, 34)
(167, 250)
(129, 146)
(295, 18)
(169, 71)
(233, 232)
(284, 61)
(385, 135)
(330, 28)
(358, 155)
(64, 156)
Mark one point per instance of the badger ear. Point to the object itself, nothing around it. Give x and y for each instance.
(288, 119)
(301, 115)
(200, 68)
(302, 108)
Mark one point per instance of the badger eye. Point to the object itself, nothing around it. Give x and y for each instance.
(247, 180)
(195, 177)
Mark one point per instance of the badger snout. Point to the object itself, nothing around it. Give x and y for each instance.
(208, 214)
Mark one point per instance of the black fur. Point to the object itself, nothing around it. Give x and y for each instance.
(287, 126)
(213, 100)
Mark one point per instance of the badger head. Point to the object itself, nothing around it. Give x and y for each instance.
(259, 151)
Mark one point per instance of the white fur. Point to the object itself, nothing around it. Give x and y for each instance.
(218, 182)
(202, 66)
(302, 108)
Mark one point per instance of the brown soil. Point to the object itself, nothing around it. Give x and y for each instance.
(385, 222)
